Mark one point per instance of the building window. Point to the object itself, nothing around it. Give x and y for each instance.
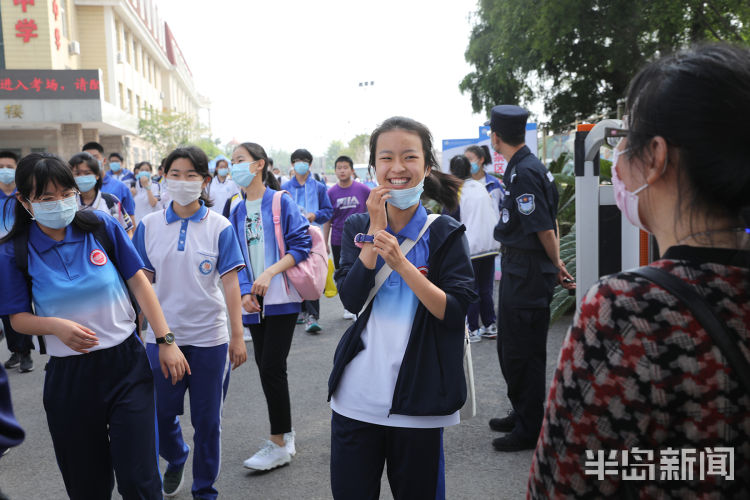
(64, 18)
(130, 102)
(122, 98)
(36, 150)
(138, 104)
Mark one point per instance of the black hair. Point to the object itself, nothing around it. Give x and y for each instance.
(482, 152)
(460, 167)
(443, 188)
(512, 139)
(116, 155)
(698, 100)
(34, 172)
(270, 161)
(93, 145)
(90, 162)
(224, 160)
(302, 154)
(9, 154)
(257, 152)
(344, 158)
(198, 158)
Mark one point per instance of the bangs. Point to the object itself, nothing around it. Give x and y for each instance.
(51, 170)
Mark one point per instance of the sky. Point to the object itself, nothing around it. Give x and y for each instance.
(285, 73)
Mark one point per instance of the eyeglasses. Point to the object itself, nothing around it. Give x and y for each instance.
(65, 196)
(613, 136)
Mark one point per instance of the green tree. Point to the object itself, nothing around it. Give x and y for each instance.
(167, 130)
(578, 56)
(357, 149)
(333, 152)
(209, 146)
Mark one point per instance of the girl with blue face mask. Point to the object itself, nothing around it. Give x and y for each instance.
(398, 376)
(88, 177)
(222, 188)
(98, 386)
(147, 192)
(270, 307)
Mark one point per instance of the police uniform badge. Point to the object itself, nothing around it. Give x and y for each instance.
(525, 204)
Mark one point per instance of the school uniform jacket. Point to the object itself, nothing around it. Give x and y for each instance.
(324, 211)
(431, 378)
(294, 227)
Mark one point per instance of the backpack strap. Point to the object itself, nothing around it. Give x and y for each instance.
(21, 251)
(276, 210)
(109, 199)
(725, 339)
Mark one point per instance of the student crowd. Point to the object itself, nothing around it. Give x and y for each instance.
(141, 285)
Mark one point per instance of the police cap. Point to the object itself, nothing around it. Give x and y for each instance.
(508, 120)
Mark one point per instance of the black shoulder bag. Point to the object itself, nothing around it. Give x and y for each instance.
(725, 339)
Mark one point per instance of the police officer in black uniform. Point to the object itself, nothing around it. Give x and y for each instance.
(531, 267)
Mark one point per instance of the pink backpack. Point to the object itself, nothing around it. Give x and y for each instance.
(308, 276)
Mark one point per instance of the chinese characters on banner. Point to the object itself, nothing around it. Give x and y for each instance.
(26, 28)
(672, 464)
(49, 84)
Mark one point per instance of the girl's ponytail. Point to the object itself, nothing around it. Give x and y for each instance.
(443, 188)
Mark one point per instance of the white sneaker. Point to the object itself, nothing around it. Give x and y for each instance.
(348, 315)
(475, 336)
(269, 457)
(247, 336)
(489, 332)
(289, 441)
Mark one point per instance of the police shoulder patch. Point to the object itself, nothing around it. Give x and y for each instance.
(525, 204)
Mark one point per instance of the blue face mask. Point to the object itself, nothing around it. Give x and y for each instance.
(86, 182)
(474, 168)
(141, 175)
(241, 173)
(115, 166)
(7, 175)
(222, 171)
(405, 198)
(55, 214)
(301, 167)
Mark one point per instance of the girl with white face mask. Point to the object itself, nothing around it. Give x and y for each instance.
(190, 250)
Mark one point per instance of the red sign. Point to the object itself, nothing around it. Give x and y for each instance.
(23, 3)
(25, 29)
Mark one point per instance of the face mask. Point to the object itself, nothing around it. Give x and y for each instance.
(241, 173)
(141, 175)
(625, 200)
(86, 182)
(7, 175)
(184, 192)
(55, 214)
(405, 198)
(115, 166)
(301, 167)
(474, 168)
(222, 171)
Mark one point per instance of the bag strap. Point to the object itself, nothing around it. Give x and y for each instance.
(724, 338)
(386, 270)
(21, 251)
(276, 210)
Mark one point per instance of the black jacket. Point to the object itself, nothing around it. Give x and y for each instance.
(431, 378)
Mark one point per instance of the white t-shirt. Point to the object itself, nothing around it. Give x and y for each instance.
(142, 205)
(219, 192)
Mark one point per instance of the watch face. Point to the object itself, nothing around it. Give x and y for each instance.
(169, 338)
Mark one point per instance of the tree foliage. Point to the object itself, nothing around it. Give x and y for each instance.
(357, 149)
(578, 56)
(167, 130)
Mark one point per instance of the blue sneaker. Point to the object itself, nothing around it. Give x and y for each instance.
(312, 325)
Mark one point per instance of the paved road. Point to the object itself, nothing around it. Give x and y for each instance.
(473, 469)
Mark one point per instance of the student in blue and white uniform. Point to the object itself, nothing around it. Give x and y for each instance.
(19, 345)
(110, 184)
(312, 198)
(221, 188)
(147, 192)
(398, 377)
(118, 171)
(98, 386)
(264, 289)
(189, 251)
(89, 180)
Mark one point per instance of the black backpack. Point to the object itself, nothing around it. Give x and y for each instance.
(21, 250)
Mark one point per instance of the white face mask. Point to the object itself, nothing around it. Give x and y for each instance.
(184, 192)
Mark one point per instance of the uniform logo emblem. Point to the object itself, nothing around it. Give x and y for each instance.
(423, 269)
(506, 215)
(98, 258)
(526, 203)
(205, 267)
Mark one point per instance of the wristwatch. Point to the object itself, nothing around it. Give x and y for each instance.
(360, 239)
(166, 339)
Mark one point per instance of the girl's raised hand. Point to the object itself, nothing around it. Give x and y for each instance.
(250, 303)
(76, 336)
(386, 245)
(376, 208)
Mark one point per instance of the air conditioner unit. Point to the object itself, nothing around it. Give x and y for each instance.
(120, 58)
(74, 48)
